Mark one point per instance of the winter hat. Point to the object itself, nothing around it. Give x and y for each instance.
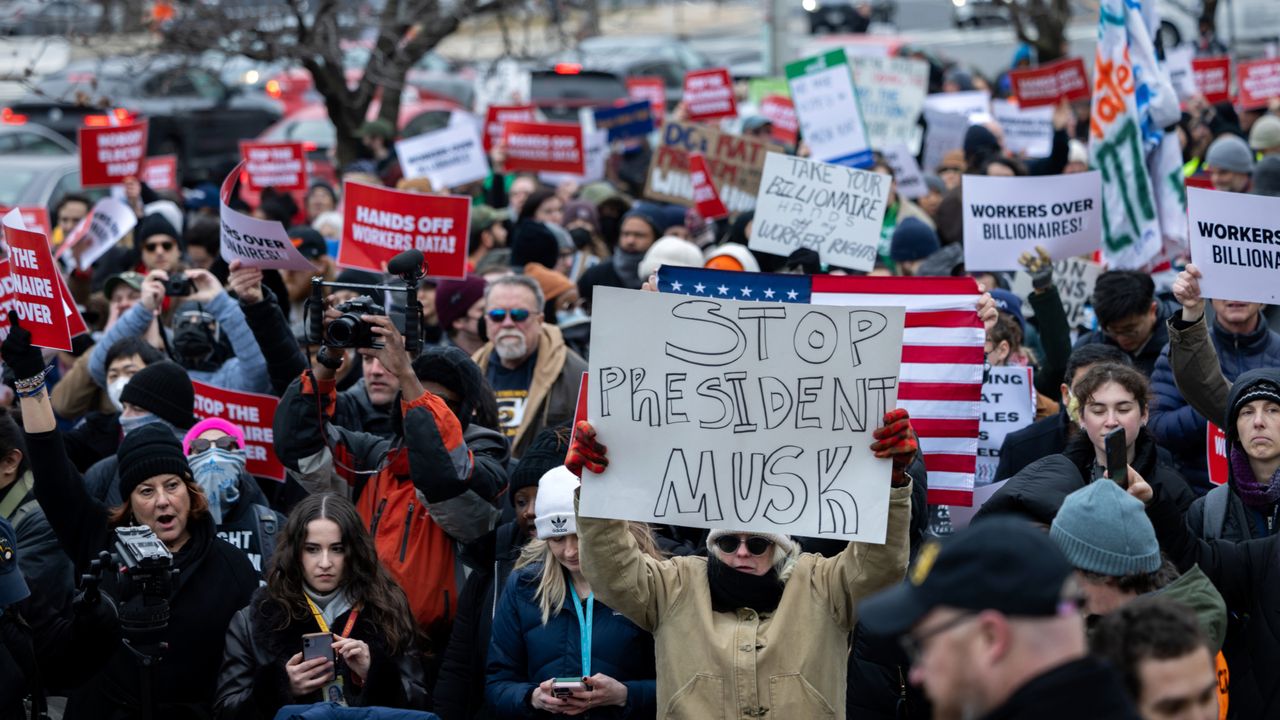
(153, 225)
(670, 250)
(1229, 153)
(947, 262)
(146, 452)
(212, 423)
(731, 256)
(1266, 176)
(1252, 385)
(13, 587)
(1010, 303)
(979, 145)
(782, 541)
(553, 282)
(544, 454)
(649, 218)
(166, 209)
(582, 210)
(357, 277)
(455, 297)
(554, 507)
(163, 389)
(532, 241)
(1265, 133)
(1103, 529)
(913, 240)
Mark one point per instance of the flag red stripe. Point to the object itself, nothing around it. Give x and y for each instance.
(929, 427)
(939, 391)
(895, 285)
(944, 462)
(943, 319)
(960, 498)
(947, 354)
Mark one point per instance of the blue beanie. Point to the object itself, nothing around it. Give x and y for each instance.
(1103, 529)
(913, 240)
(1008, 302)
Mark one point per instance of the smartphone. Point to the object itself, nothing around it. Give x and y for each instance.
(316, 645)
(564, 687)
(1118, 457)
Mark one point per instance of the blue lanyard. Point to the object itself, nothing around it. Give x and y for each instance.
(584, 625)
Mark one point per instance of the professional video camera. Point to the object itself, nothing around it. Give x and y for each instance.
(349, 331)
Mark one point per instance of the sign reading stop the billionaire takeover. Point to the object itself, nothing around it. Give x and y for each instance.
(252, 413)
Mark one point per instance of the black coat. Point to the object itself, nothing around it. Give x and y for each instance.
(1042, 438)
(1080, 689)
(285, 360)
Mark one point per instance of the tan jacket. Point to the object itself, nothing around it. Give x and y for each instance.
(76, 394)
(787, 665)
(1196, 369)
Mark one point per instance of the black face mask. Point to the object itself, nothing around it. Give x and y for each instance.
(194, 344)
(581, 237)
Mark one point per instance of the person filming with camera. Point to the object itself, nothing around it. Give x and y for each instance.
(166, 667)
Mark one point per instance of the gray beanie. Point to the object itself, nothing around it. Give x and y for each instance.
(1266, 176)
(1104, 530)
(1231, 153)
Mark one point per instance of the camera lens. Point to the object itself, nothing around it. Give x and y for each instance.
(341, 331)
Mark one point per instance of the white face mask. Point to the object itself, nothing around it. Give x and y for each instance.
(114, 390)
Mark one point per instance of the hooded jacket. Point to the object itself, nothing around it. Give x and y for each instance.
(1147, 355)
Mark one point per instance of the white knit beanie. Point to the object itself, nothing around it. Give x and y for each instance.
(554, 504)
(670, 250)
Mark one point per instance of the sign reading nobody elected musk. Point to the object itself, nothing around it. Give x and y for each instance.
(1235, 241)
(742, 415)
(1006, 216)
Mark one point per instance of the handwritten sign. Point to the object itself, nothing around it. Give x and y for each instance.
(742, 415)
(1027, 131)
(1212, 78)
(830, 118)
(379, 223)
(1074, 278)
(35, 288)
(781, 112)
(1258, 81)
(708, 95)
(906, 171)
(625, 122)
(946, 133)
(279, 165)
(834, 210)
(1050, 84)
(705, 198)
(555, 147)
(1005, 216)
(160, 173)
(448, 157)
(497, 115)
(891, 93)
(252, 413)
(1008, 404)
(255, 242)
(652, 89)
(1234, 242)
(735, 163)
(105, 225)
(108, 155)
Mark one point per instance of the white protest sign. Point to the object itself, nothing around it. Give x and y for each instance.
(973, 104)
(1235, 241)
(832, 209)
(448, 158)
(962, 516)
(946, 133)
(1177, 61)
(1074, 278)
(742, 415)
(1027, 131)
(891, 94)
(906, 171)
(1008, 404)
(827, 106)
(596, 150)
(108, 222)
(255, 243)
(1006, 216)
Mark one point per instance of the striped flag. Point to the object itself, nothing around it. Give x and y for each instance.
(940, 383)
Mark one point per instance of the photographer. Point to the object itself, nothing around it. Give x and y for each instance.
(213, 581)
(325, 578)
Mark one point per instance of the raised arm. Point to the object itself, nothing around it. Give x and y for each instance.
(1194, 360)
(284, 359)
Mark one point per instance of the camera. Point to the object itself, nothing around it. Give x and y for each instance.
(349, 331)
(146, 578)
(179, 286)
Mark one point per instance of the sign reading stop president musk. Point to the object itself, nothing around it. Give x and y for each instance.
(108, 155)
(1235, 242)
(380, 223)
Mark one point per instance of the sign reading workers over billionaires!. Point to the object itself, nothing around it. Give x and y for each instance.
(1235, 242)
(753, 416)
(379, 223)
(1006, 216)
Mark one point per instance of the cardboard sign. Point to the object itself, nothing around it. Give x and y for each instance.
(705, 198)
(652, 89)
(1212, 77)
(782, 113)
(891, 93)
(1215, 444)
(723, 425)
(1074, 278)
(252, 413)
(1257, 81)
(105, 225)
(735, 163)
(448, 157)
(708, 95)
(1027, 131)
(254, 242)
(1005, 217)
(160, 173)
(625, 122)
(1236, 244)
(946, 133)
(832, 209)
(379, 223)
(906, 171)
(35, 286)
(597, 159)
(108, 155)
(498, 115)
(1050, 84)
(830, 118)
(34, 218)
(1008, 404)
(554, 147)
(279, 165)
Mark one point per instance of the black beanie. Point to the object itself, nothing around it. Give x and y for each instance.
(547, 451)
(154, 224)
(146, 452)
(533, 242)
(163, 388)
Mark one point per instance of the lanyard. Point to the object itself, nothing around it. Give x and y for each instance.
(584, 625)
(324, 626)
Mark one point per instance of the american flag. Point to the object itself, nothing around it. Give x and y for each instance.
(940, 382)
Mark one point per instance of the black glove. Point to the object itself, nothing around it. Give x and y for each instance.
(18, 353)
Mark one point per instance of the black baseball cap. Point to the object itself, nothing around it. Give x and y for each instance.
(1004, 564)
(308, 241)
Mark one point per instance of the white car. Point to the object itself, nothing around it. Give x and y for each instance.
(1240, 23)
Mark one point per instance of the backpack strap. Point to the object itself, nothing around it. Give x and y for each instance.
(1214, 511)
(268, 526)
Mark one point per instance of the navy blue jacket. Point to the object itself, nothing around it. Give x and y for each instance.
(523, 652)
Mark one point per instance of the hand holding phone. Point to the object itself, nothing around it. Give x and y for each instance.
(566, 687)
(316, 645)
(1117, 448)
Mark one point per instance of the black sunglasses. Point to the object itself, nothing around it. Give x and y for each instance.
(518, 315)
(164, 245)
(226, 442)
(756, 545)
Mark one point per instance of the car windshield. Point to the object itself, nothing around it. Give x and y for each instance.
(12, 184)
(319, 131)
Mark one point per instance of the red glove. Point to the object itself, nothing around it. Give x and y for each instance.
(586, 451)
(896, 440)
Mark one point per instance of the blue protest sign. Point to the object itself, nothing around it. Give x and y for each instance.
(626, 121)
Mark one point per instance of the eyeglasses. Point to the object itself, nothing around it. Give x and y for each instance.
(756, 545)
(913, 643)
(518, 315)
(163, 245)
(226, 442)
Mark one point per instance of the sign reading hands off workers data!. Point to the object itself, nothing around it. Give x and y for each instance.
(1235, 241)
(749, 416)
(379, 223)
(1007, 216)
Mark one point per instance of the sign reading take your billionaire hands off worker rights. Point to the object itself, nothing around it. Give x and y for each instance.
(1235, 242)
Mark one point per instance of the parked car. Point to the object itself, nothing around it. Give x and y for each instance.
(18, 137)
(975, 13)
(41, 181)
(847, 16)
(624, 56)
(1241, 24)
(50, 17)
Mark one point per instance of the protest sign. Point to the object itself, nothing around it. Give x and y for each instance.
(781, 112)
(1008, 404)
(379, 223)
(1050, 84)
(946, 133)
(1027, 131)
(906, 171)
(708, 95)
(36, 290)
(1074, 279)
(597, 149)
(1212, 77)
(1215, 444)
(705, 198)
(105, 225)
(253, 414)
(254, 242)
(832, 209)
(891, 94)
(33, 218)
(628, 121)
(1177, 61)
(743, 415)
(827, 106)
(160, 173)
(498, 115)
(973, 104)
(108, 155)
(554, 147)
(652, 89)
(1007, 216)
(1257, 82)
(279, 165)
(448, 158)
(735, 163)
(1235, 241)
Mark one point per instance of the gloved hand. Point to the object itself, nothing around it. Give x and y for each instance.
(1040, 266)
(18, 352)
(896, 440)
(586, 451)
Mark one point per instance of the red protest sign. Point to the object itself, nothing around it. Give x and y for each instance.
(379, 223)
(75, 321)
(580, 409)
(160, 173)
(1257, 82)
(1213, 78)
(108, 155)
(33, 217)
(544, 147)
(279, 165)
(781, 112)
(498, 115)
(36, 289)
(708, 95)
(1049, 84)
(705, 198)
(652, 89)
(1215, 444)
(252, 413)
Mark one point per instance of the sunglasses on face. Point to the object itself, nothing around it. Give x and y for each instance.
(226, 442)
(518, 315)
(163, 245)
(756, 545)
